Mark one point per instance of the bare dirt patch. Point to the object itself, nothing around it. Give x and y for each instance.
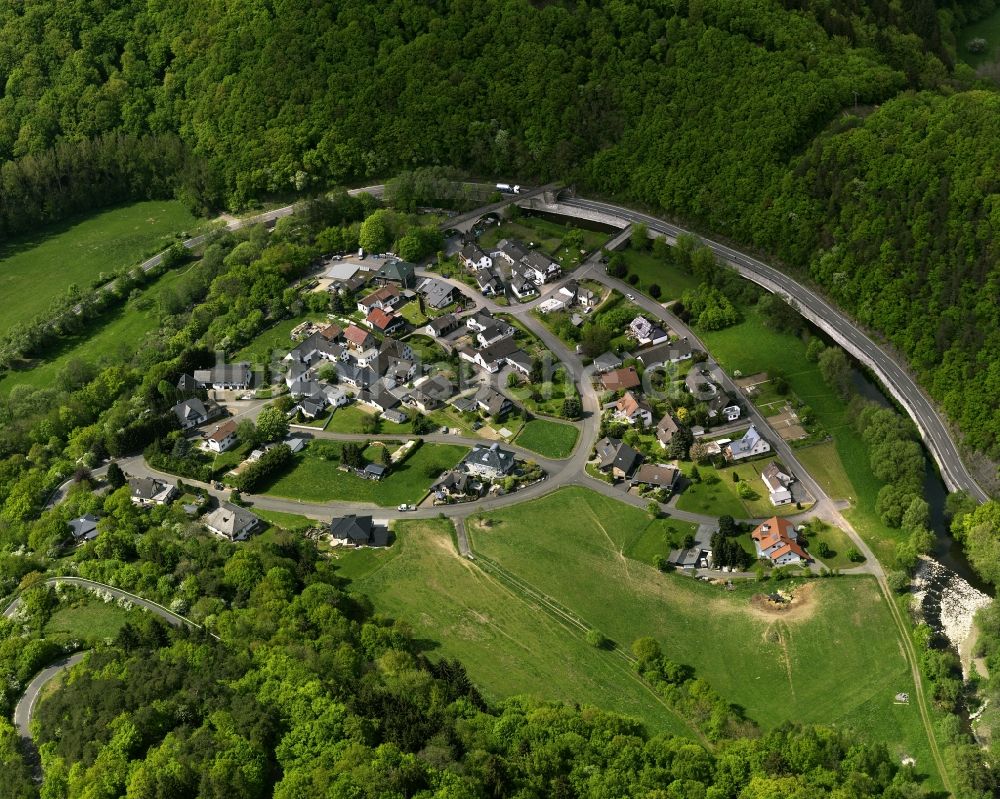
(798, 604)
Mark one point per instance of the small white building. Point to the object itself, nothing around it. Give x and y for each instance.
(777, 482)
(747, 447)
(222, 438)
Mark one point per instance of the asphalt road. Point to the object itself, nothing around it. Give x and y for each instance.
(845, 331)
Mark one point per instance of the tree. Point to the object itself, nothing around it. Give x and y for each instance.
(695, 474)
(655, 291)
(594, 339)
(727, 526)
(512, 380)
(597, 639)
(814, 349)
(639, 237)
(854, 556)
(836, 371)
(272, 424)
(115, 476)
(917, 515)
(375, 235)
(571, 408)
(385, 456)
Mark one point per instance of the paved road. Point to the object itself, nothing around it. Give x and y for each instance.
(167, 615)
(846, 332)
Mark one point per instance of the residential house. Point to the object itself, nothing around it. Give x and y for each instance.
(379, 397)
(396, 417)
(436, 293)
(493, 358)
(631, 410)
(359, 339)
(148, 491)
(396, 349)
(662, 354)
(747, 447)
(232, 522)
(540, 268)
(778, 541)
(700, 385)
(384, 322)
(521, 282)
(396, 272)
(489, 283)
(665, 430)
(696, 557)
(357, 376)
(454, 484)
(492, 402)
(646, 333)
(480, 320)
(223, 437)
(619, 379)
(489, 462)
(442, 326)
(657, 475)
(359, 531)
(84, 528)
(607, 361)
(576, 294)
(386, 298)
(474, 258)
(315, 347)
(226, 376)
(520, 361)
(193, 412)
(311, 408)
(494, 333)
(777, 482)
(187, 384)
(617, 457)
(511, 250)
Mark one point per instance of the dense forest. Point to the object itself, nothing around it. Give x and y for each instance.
(842, 137)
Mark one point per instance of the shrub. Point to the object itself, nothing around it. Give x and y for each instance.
(598, 640)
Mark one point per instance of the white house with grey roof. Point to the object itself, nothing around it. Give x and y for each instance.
(750, 445)
(231, 522)
(225, 376)
(489, 462)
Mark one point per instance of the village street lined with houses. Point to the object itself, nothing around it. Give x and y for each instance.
(447, 390)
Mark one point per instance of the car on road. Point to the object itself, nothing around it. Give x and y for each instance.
(218, 486)
(405, 506)
(630, 297)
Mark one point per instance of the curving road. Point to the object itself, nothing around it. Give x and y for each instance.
(846, 332)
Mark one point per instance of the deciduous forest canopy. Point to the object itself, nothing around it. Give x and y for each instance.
(839, 136)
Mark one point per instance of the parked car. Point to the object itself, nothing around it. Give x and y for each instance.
(630, 297)
(405, 506)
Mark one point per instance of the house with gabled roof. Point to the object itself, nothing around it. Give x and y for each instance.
(632, 410)
(618, 379)
(489, 283)
(662, 354)
(521, 282)
(359, 339)
(193, 412)
(442, 326)
(665, 430)
(436, 293)
(396, 272)
(646, 332)
(358, 531)
(777, 482)
(148, 491)
(657, 475)
(84, 528)
(492, 402)
(474, 258)
(617, 457)
(700, 384)
(777, 540)
(226, 376)
(232, 522)
(751, 444)
(223, 437)
(498, 331)
(384, 322)
(386, 298)
(606, 362)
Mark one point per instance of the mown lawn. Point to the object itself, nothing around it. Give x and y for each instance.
(314, 478)
(349, 419)
(987, 28)
(89, 620)
(715, 495)
(657, 538)
(273, 344)
(673, 281)
(751, 347)
(37, 268)
(835, 661)
(509, 646)
(547, 236)
(549, 439)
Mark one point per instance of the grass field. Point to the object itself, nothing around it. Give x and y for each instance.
(316, 479)
(292, 522)
(508, 645)
(714, 497)
(91, 621)
(751, 347)
(673, 282)
(348, 419)
(275, 342)
(836, 659)
(988, 29)
(547, 236)
(114, 336)
(36, 269)
(659, 537)
(549, 439)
